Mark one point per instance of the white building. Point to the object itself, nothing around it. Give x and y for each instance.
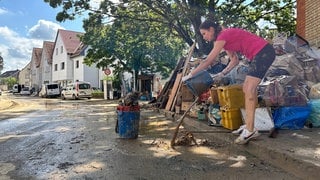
(45, 67)
(34, 68)
(67, 60)
(83, 72)
(25, 76)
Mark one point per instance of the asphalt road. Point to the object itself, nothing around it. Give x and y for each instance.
(55, 139)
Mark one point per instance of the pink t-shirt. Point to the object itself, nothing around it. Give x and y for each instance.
(244, 42)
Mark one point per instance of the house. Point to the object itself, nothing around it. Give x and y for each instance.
(34, 68)
(25, 76)
(45, 67)
(8, 74)
(81, 71)
(67, 60)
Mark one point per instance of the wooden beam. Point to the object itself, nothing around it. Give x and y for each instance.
(184, 71)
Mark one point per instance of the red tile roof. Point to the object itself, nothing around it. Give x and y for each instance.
(36, 56)
(48, 50)
(70, 39)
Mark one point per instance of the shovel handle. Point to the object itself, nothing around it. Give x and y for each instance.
(181, 121)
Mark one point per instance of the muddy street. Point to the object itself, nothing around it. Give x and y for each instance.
(77, 140)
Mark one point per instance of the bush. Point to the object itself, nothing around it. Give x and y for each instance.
(97, 94)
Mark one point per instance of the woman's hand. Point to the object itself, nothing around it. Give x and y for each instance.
(184, 78)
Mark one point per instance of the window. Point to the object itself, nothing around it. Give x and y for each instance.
(53, 86)
(84, 86)
(56, 51)
(62, 65)
(61, 49)
(77, 64)
(56, 67)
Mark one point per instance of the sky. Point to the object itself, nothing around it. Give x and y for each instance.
(25, 24)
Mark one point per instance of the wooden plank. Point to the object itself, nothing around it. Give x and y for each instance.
(186, 63)
(173, 91)
(164, 94)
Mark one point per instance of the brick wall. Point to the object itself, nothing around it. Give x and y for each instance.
(308, 22)
(301, 18)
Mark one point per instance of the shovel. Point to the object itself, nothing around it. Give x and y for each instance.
(173, 140)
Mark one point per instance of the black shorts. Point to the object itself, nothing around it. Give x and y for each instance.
(262, 61)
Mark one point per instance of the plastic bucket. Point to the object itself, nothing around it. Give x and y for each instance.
(128, 121)
(199, 83)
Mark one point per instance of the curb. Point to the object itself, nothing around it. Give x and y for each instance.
(264, 148)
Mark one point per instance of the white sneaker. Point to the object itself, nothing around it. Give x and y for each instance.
(246, 136)
(239, 131)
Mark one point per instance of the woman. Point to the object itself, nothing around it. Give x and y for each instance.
(258, 51)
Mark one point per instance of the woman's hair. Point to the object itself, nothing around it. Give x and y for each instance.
(209, 23)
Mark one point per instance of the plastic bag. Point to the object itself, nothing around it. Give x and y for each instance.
(297, 44)
(314, 117)
(293, 117)
(315, 91)
(283, 91)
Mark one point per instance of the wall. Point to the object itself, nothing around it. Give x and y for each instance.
(66, 75)
(24, 76)
(301, 18)
(313, 22)
(308, 23)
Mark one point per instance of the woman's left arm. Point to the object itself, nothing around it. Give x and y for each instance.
(211, 59)
(234, 60)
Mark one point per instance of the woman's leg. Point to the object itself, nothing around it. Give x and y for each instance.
(251, 98)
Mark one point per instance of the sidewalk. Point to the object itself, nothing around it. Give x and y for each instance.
(295, 151)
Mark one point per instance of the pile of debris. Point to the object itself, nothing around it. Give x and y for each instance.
(293, 81)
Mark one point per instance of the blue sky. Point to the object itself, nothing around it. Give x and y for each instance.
(25, 24)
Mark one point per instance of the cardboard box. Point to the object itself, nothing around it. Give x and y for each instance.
(214, 95)
(185, 105)
(186, 94)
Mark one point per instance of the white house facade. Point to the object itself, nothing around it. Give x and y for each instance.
(25, 76)
(46, 63)
(67, 60)
(83, 72)
(34, 68)
(62, 65)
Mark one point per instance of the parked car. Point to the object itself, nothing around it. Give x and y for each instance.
(77, 90)
(16, 88)
(25, 91)
(50, 90)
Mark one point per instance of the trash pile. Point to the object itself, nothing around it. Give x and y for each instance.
(290, 89)
(291, 85)
(288, 96)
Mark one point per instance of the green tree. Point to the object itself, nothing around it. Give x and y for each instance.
(132, 45)
(183, 18)
(10, 81)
